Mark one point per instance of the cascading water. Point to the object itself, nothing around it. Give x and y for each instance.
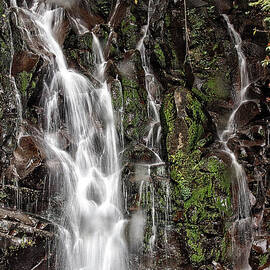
(242, 227)
(85, 161)
(19, 113)
(92, 225)
(154, 134)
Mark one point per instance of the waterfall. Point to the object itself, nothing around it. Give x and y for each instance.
(242, 227)
(92, 226)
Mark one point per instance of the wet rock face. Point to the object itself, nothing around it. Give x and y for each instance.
(224, 7)
(196, 94)
(250, 142)
(27, 157)
(25, 239)
(9, 110)
(246, 113)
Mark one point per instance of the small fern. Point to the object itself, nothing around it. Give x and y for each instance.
(265, 4)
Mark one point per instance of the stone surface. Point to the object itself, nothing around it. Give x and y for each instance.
(246, 113)
(197, 84)
(224, 6)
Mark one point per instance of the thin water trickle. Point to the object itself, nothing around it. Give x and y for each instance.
(154, 134)
(92, 225)
(13, 82)
(114, 12)
(121, 112)
(18, 101)
(167, 211)
(242, 228)
(153, 237)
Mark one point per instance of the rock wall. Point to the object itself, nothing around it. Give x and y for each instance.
(196, 75)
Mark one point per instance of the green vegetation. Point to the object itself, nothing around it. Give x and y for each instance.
(195, 121)
(202, 192)
(265, 8)
(3, 195)
(25, 79)
(160, 55)
(129, 34)
(134, 108)
(263, 259)
(265, 4)
(202, 184)
(203, 51)
(169, 112)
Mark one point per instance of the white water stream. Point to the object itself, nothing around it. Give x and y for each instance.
(241, 230)
(92, 227)
(86, 160)
(154, 134)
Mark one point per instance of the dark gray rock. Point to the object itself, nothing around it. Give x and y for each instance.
(224, 6)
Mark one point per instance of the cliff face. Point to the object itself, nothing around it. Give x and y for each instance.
(195, 80)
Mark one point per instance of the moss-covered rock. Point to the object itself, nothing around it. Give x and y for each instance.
(134, 97)
(202, 195)
(196, 68)
(129, 32)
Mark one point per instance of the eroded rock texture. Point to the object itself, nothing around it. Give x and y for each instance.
(196, 75)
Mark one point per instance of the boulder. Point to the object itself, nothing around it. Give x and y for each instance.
(23, 61)
(246, 113)
(27, 156)
(24, 239)
(224, 6)
(138, 153)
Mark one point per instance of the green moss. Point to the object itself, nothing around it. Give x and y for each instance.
(104, 7)
(132, 18)
(168, 118)
(200, 94)
(87, 40)
(160, 55)
(193, 236)
(174, 61)
(3, 195)
(134, 107)
(129, 32)
(24, 80)
(26, 242)
(130, 84)
(195, 121)
(202, 191)
(167, 20)
(117, 95)
(217, 88)
(169, 112)
(196, 108)
(105, 32)
(263, 259)
(73, 54)
(195, 132)
(225, 248)
(203, 43)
